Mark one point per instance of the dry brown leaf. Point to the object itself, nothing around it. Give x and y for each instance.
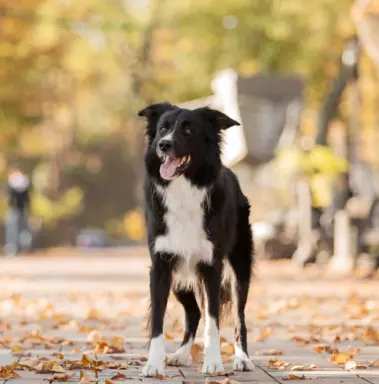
(375, 364)
(296, 377)
(119, 376)
(85, 378)
(306, 340)
(225, 381)
(341, 358)
(269, 352)
(277, 364)
(325, 348)
(7, 372)
(265, 333)
(227, 348)
(302, 367)
(66, 377)
(196, 353)
(107, 381)
(102, 348)
(371, 335)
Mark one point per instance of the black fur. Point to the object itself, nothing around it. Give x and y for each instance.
(198, 133)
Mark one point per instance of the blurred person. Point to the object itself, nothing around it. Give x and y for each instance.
(17, 233)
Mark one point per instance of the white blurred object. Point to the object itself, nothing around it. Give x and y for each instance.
(263, 230)
(224, 86)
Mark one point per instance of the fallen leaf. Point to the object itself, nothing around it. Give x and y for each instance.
(196, 353)
(107, 381)
(296, 377)
(305, 340)
(269, 352)
(303, 367)
(66, 377)
(17, 349)
(264, 334)
(375, 364)
(277, 364)
(119, 376)
(225, 381)
(7, 372)
(227, 348)
(218, 374)
(85, 378)
(325, 348)
(341, 358)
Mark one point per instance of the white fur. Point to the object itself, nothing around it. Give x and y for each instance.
(156, 361)
(212, 354)
(182, 356)
(241, 360)
(185, 236)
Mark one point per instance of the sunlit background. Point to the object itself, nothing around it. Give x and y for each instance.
(74, 73)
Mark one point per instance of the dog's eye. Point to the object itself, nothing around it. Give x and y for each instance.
(187, 131)
(163, 128)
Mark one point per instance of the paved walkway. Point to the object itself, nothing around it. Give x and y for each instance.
(80, 317)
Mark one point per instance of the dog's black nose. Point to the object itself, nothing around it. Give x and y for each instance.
(165, 145)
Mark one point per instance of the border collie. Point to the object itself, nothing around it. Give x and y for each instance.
(199, 236)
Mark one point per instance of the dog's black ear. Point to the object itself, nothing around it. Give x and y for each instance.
(217, 118)
(152, 113)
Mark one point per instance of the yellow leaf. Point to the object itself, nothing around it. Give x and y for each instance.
(341, 358)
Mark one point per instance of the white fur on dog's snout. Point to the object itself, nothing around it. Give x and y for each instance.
(156, 361)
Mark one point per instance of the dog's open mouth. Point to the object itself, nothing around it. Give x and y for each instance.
(173, 167)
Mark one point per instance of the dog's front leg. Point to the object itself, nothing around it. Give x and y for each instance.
(211, 278)
(160, 282)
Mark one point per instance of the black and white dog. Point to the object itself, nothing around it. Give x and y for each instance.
(199, 234)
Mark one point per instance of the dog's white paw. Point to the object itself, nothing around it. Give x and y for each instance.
(150, 370)
(212, 366)
(180, 358)
(242, 364)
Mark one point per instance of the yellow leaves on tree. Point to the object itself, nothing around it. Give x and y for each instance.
(51, 211)
(134, 225)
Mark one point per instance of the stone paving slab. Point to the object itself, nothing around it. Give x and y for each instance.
(88, 302)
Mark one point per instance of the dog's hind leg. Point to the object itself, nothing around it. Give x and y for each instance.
(192, 313)
(241, 260)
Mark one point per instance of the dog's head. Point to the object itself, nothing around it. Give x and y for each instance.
(182, 140)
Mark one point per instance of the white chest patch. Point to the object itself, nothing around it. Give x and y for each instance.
(185, 235)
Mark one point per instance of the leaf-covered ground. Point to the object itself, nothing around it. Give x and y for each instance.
(80, 317)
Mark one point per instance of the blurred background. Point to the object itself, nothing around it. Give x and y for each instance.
(301, 77)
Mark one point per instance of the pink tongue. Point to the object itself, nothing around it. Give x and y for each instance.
(168, 168)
